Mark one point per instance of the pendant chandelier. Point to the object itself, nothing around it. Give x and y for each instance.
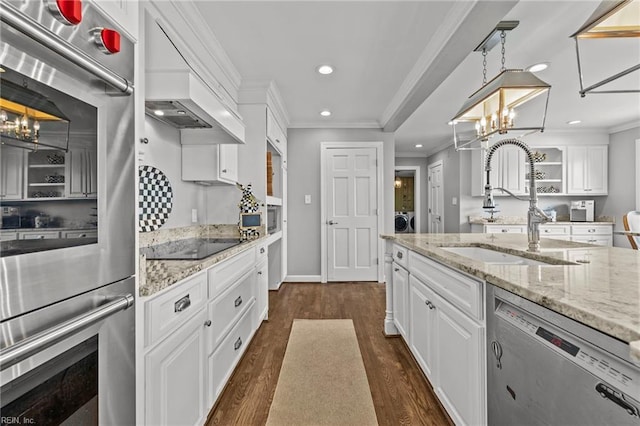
(22, 114)
(495, 107)
(611, 20)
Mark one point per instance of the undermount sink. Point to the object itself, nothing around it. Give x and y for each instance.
(495, 257)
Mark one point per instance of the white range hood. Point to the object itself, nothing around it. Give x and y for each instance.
(174, 90)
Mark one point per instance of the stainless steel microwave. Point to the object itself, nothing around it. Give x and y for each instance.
(582, 211)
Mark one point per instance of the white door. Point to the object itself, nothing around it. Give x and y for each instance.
(436, 198)
(351, 214)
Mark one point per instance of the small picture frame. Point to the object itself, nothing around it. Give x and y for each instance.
(251, 221)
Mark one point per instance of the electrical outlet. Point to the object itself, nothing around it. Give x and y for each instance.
(194, 215)
(454, 201)
(307, 199)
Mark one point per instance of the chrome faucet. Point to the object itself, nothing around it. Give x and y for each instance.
(535, 216)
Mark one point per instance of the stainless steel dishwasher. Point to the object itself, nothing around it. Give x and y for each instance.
(546, 369)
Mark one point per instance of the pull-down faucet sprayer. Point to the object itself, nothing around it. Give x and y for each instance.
(535, 216)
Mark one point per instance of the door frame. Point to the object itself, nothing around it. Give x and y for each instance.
(638, 174)
(324, 148)
(417, 210)
(429, 204)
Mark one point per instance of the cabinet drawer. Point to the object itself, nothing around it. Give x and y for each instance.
(168, 311)
(554, 230)
(79, 234)
(591, 230)
(400, 255)
(597, 240)
(227, 272)
(225, 358)
(459, 290)
(43, 235)
(504, 229)
(226, 309)
(8, 236)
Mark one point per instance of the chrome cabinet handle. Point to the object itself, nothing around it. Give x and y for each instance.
(505, 230)
(607, 392)
(238, 301)
(83, 235)
(237, 344)
(591, 230)
(546, 230)
(182, 304)
(207, 323)
(429, 304)
(261, 250)
(224, 170)
(259, 272)
(396, 269)
(399, 255)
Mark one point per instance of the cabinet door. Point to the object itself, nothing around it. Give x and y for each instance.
(228, 162)
(422, 326)
(587, 170)
(400, 295)
(82, 173)
(459, 360)
(11, 172)
(174, 376)
(285, 230)
(262, 292)
(512, 169)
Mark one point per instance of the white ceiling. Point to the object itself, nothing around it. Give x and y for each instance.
(389, 57)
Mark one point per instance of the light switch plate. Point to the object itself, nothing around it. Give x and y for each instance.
(194, 215)
(454, 201)
(307, 199)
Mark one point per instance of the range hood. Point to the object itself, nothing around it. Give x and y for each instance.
(176, 95)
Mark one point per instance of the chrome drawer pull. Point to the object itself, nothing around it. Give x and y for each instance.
(261, 250)
(238, 301)
(396, 269)
(238, 343)
(429, 304)
(207, 323)
(399, 255)
(182, 304)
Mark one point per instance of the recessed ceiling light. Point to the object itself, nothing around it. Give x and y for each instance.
(325, 113)
(181, 112)
(325, 69)
(158, 112)
(574, 122)
(418, 145)
(538, 67)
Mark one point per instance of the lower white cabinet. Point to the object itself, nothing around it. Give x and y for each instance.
(582, 232)
(422, 324)
(175, 376)
(400, 298)
(262, 292)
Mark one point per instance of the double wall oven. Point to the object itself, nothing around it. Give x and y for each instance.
(67, 302)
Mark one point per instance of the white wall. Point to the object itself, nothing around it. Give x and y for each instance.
(421, 163)
(304, 179)
(622, 180)
(215, 204)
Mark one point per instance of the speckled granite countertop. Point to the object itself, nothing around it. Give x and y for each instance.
(603, 294)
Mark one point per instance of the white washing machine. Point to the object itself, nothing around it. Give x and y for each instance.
(404, 222)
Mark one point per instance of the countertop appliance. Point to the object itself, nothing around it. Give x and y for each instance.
(11, 217)
(60, 301)
(190, 249)
(546, 369)
(582, 211)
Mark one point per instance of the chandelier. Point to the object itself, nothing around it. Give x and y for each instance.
(23, 111)
(495, 107)
(611, 20)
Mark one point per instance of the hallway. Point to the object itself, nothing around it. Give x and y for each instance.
(400, 393)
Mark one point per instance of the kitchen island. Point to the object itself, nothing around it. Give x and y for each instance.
(600, 288)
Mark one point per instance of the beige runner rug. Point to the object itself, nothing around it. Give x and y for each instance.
(322, 380)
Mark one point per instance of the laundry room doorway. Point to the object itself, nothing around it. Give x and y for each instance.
(407, 199)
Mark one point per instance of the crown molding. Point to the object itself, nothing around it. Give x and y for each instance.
(622, 127)
(405, 154)
(265, 92)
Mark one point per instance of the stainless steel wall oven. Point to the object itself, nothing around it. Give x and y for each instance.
(66, 308)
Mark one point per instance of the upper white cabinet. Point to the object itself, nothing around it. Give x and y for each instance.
(123, 13)
(587, 168)
(11, 172)
(275, 135)
(210, 163)
(82, 173)
(507, 170)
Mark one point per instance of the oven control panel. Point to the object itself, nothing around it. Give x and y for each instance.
(594, 360)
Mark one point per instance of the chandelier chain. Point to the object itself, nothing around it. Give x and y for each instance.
(503, 39)
(484, 66)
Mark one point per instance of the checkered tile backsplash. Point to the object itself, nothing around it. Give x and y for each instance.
(155, 201)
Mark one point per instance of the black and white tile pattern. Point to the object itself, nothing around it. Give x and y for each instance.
(155, 199)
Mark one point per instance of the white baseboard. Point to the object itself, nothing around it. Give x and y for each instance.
(303, 278)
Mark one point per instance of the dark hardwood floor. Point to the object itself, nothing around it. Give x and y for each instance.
(401, 394)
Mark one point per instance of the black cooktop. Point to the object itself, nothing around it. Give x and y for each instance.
(190, 249)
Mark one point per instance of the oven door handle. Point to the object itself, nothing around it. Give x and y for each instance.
(22, 350)
(12, 16)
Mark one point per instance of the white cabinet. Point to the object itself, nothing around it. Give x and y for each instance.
(422, 323)
(175, 376)
(400, 299)
(8, 235)
(592, 234)
(507, 170)
(38, 235)
(262, 292)
(587, 170)
(498, 229)
(216, 163)
(556, 232)
(82, 173)
(80, 234)
(11, 172)
(275, 134)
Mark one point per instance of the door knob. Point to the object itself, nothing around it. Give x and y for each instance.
(331, 222)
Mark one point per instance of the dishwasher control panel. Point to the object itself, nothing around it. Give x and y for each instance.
(602, 365)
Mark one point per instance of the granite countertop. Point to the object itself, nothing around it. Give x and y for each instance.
(68, 228)
(160, 274)
(603, 293)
